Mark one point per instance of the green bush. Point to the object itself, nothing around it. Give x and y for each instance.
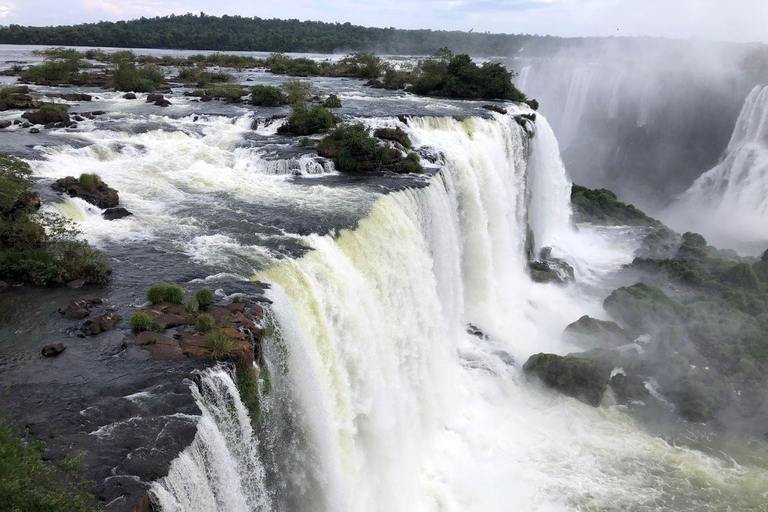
(355, 146)
(602, 206)
(205, 323)
(27, 484)
(267, 96)
(237, 299)
(308, 121)
(204, 298)
(332, 101)
(165, 293)
(141, 321)
(220, 344)
(296, 91)
(248, 389)
(127, 77)
(232, 93)
(15, 178)
(89, 181)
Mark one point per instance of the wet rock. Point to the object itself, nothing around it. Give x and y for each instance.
(48, 114)
(53, 349)
(116, 213)
(495, 108)
(97, 113)
(206, 97)
(393, 134)
(76, 284)
(18, 98)
(475, 331)
(151, 98)
(589, 332)
(80, 308)
(236, 306)
(403, 118)
(34, 130)
(548, 269)
(170, 315)
(72, 96)
(159, 346)
(100, 194)
(145, 504)
(3, 285)
(581, 377)
(129, 96)
(629, 388)
(163, 103)
(5, 124)
(101, 324)
(374, 83)
(78, 118)
(505, 357)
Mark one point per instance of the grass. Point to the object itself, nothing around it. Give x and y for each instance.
(236, 299)
(89, 181)
(165, 293)
(205, 323)
(141, 321)
(220, 344)
(204, 298)
(332, 101)
(267, 96)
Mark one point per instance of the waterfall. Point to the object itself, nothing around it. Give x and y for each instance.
(221, 470)
(522, 78)
(729, 203)
(576, 100)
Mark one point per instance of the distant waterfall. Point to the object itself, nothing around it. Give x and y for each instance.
(221, 470)
(578, 91)
(729, 203)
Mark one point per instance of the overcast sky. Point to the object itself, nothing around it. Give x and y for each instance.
(732, 20)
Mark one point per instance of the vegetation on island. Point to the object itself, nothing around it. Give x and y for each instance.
(27, 483)
(42, 248)
(354, 149)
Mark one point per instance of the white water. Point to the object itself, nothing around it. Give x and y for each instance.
(729, 203)
(220, 471)
(578, 90)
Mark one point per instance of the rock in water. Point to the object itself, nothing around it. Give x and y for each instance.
(116, 213)
(101, 324)
(583, 378)
(98, 194)
(79, 308)
(589, 332)
(629, 388)
(53, 349)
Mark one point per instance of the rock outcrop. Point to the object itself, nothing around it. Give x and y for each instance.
(99, 194)
(100, 324)
(589, 333)
(581, 377)
(53, 349)
(79, 308)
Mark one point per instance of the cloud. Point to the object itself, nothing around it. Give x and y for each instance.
(6, 10)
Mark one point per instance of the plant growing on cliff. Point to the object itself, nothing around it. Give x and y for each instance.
(220, 344)
(204, 298)
(29, 484)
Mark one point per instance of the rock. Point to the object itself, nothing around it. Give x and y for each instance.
(116, 213)
(48, 114)
(151, 98)
(628, 388)
(548, 269)
(159, 346)
(193, 345)
(236, 306)
(76, 284)
(643, 308)
(145, 504)
(206, 97)
(53, 349)
(393, 134)
(163, 103)
(18, 98)
(129, 96)
(496, 108)
(5, 124)
(589, 332)
(100, 194)
(78, 118)
(580, 377)
(403, 118)
(101, 324)
(505, 357)
(80, 308)
(475, 331)
(34, 130)
(170, 315)
(97, 113)
(72, 96)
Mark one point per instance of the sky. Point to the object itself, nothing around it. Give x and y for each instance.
(723, 20)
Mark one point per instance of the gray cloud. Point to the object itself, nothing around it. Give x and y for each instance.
(734, 20)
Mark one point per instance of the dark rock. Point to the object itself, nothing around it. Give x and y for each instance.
(53, 349)
(129, 96)
(163, 103)
(18, 98)
(151, 98)
(206, 97)
(374, 83)
(548, 269)
(475, 331)
(101, 324)
(629, 388)
(589, 332)
(78, 118)
(80, 308)
(393, 134)
(100, 195)
(505, 357)
(643, 308)
(116, 213)
(578, 376)
(76, 284)
(403, 118)
(145, 504)
(26, 124)
(5, 124)
(47, 115)
(3, 285)
(496, 108)
(159, 346)
(72, 96)
(97, 113)
(49, 126)
(34, 130)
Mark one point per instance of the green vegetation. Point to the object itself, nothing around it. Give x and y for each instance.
(130, 78)
(89, 181)
(205, 323)
(192, 305)
(220, 344)
(296, 91)
(204, 298)
(141, 321)
(60, 65)
(27, 484)
(237, 299)
(457, 76)
(352, 146)
(165, 293)
(601, 206)
(310, 120)
(267, 96)
(332, 101)
(41, 248)
(231, 93)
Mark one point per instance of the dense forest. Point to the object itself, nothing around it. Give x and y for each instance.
(237, 33)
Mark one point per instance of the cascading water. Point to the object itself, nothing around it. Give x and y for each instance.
(575, 103)
(221, 470)
(729, 203)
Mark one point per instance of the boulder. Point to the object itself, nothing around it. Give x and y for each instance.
(53, 349)
(151, 98)
(393, 134)
(159, 346)
(578, 376)
(100, 194)
(495, 108)
(79, 308)
(116, 213)
(101, 324)
(145, 504)
(76, 284)
(34, 130)
(48, 114)
(629, 388)
(162, 103)
(72, 96)
(170, 315)
(5, 124)
(548, 269)
(129, 96)
(643, 308)
(589, 332)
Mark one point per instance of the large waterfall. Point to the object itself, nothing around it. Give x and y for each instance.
(729, 203)
(395, 363)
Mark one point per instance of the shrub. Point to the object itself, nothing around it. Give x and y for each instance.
(89, 181)
(220, 344)
(141, 321)
(307, 121)
(15, 177)
(362, 65)
(165, 293)
(192, 305)
(29, 484)
(332, 101)
(205, 323)
(204, 298)
(128, 77)
(237, 299)
(354, 146)
(267, 96)
(296, 91)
